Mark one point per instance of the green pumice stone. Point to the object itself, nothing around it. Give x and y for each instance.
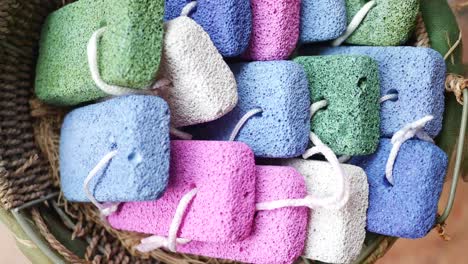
(128, 53)
(350, 124)
(388, 23)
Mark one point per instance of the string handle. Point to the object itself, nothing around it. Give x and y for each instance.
(105, 209)
(155, 242)
(409, 131)
(355, 22)
(335, 201)
(188, 8)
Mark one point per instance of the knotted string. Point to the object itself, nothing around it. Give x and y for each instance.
(242, 122)
(355, 22)
(335, 201)
(170, 242)
(107, 208)
(409, 131)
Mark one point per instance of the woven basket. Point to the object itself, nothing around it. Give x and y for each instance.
(46, 227)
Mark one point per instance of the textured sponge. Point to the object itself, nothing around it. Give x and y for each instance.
(228, 22)
(129, 50)
(223, 208)
(137, 127)
(279, 88)
(322, 20)
(334, 236)
(388, 23)
(279, 235)
(275, 29)
(408, 208)
(350, 85)
(203, 87)
(416, 74)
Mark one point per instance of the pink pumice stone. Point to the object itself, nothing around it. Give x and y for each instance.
(275, 29)
(224, 206)
(278, 236)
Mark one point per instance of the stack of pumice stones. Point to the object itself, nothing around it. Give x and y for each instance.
(218, 159)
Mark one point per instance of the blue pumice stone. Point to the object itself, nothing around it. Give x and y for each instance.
(279, 89)
(408, 209)
(137, 128)
(322, 20)
(416, 74)
(228, 22)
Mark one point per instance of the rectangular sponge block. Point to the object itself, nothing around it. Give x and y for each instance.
(128, 52)
(334, 235)
(417, 75)
(388, 23)
(349, 125)
(224, 206)
(275, 29)
(279, 89)
(408, 209)
(278, 236)
(137, 127)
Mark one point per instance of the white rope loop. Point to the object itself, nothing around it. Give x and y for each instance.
(92, 51)
(355, 22)
(170, 242)
(387, 97)
(315, 107)
(409, 131)
(341, 196)
(115, 90)
(107, 208)
(188, 8)
(242, 122)
(335, 201)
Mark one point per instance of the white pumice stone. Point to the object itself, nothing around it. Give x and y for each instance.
(203, 88)
(334, 236)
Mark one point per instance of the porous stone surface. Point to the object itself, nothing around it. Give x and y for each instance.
(279, 88)
(278, 236)
(334, 235)
(322, 20)
(349, 125)
(388, 23)
(408, 209)
(224, 206)
(228, 22)
(417, 75)
(138, 128)
(128, 52)
(275, 29)
(203, 87)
